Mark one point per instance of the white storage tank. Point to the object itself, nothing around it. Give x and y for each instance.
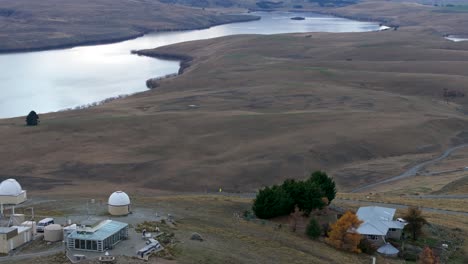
(119, 203)
(53, 233)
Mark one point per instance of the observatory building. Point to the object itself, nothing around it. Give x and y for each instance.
(96, 235)
(11, 192)
(119, 203)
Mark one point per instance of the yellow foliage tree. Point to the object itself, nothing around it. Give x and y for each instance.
(343, 233)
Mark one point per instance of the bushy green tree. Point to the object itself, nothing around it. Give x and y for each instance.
(306, 195)
(313, 229)
(310, 198)
(272, 201)
(293, 188)
(325, 183)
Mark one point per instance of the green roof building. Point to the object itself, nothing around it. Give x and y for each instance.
(97, 235)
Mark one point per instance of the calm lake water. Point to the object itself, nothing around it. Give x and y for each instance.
(54, 80)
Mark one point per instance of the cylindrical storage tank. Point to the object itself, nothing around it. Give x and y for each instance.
(53, 233)
(31, 224)
(119, 203)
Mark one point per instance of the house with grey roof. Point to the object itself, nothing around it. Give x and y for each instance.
(378, 224)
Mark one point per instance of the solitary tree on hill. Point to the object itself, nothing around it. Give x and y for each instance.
(415, 221)
(32, 119)
(343, 234)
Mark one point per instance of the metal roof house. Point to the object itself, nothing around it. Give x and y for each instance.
(97, 235)
(378, 224)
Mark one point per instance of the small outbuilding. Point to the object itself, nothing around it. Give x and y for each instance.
(119, 203)
(13, 237)
(388, 250)
(11, 192)
(53, 233)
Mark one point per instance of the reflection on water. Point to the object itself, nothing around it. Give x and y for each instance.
(58, 79)
(456, 39)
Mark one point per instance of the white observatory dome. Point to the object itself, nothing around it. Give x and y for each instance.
(119, 198)
(10, 187)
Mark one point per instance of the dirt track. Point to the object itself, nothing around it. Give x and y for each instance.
(414, 170)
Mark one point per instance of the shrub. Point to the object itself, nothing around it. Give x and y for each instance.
(313, 229)
(367, 247)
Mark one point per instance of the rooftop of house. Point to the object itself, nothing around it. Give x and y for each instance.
(377, 220)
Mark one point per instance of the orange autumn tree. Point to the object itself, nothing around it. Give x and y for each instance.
(427, 257)
(343, 233)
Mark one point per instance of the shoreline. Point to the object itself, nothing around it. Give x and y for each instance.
(184, 60)
(245, 18)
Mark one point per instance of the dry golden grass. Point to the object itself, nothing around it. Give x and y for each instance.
(444, 204)
(232, 240)
(406, 14)
(270, 108)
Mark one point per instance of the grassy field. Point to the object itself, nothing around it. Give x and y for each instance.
(289, 105)
(444, 204)
(410, 14)
(228, 238)
(232, 239)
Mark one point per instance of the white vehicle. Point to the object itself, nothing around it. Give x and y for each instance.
(401, 220)
(43, 223)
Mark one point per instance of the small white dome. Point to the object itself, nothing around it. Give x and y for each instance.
(10, 187)
(119, 198)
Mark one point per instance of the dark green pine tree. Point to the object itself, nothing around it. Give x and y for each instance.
(326, 183)
(271, 202)
(32, 119)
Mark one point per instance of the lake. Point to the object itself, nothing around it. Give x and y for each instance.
(54, 80)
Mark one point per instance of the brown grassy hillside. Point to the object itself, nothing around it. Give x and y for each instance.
(31, 24)
(362, 106)
(440, 19)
